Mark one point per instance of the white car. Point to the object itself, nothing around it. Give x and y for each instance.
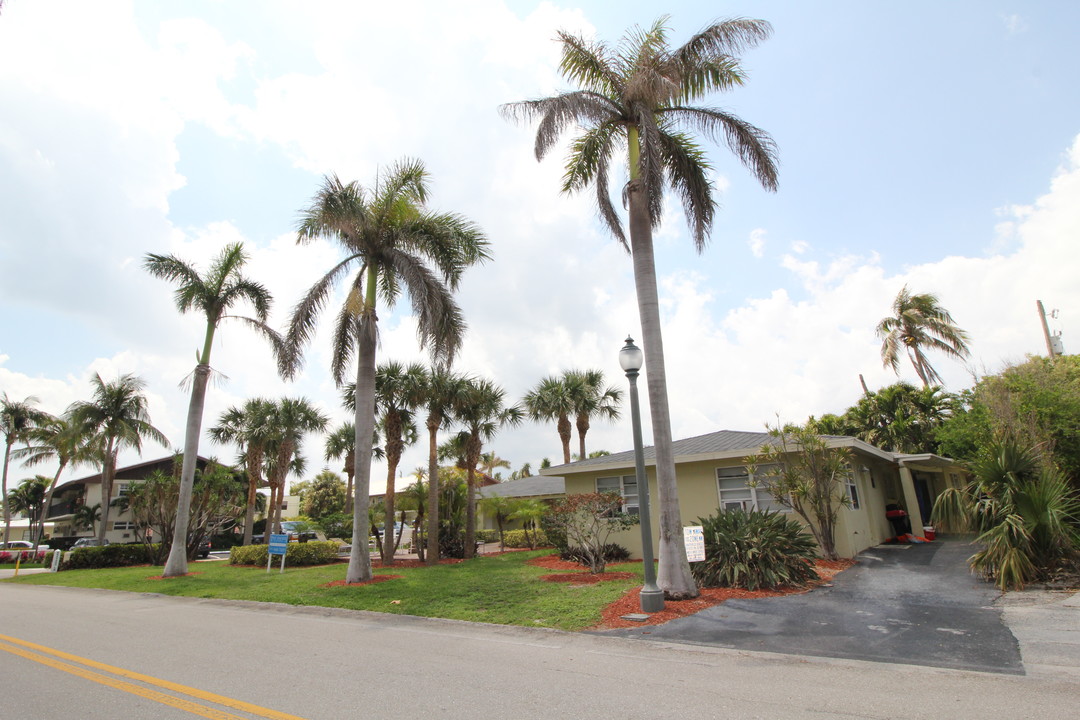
(23, 545)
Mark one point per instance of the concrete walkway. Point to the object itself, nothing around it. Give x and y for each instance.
(910, 604)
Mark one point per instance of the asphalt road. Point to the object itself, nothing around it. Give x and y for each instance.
(322, 663)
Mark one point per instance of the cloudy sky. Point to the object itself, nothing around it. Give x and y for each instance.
(930, 144)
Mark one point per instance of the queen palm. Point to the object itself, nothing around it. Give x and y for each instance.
(591, 399)
(118, 417)
(213, 293)
(445, 393)
(489, 462)
(62, 441)
(637, 96)
(289, 421)
(248, 427)
(919, 323)
(482, 414)
(394, 244)
(551, 400)
(17, 419)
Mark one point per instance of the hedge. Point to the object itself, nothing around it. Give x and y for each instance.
(314, 552)
(108, 556)
(516, 539)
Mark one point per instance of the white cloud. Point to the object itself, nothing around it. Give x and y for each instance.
(757, 242)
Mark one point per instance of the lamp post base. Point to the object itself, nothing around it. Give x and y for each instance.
(652, 599)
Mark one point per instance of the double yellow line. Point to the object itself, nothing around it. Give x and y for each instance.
(81, 667)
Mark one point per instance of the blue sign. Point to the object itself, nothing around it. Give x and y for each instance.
(278, 543)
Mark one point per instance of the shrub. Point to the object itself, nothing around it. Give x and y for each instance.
(612, 552)
(487, 535)
(110, 556)
(517, 538)
(24, 557)
(554, 533)
(296, 554)
(587, 520)
(754, 550)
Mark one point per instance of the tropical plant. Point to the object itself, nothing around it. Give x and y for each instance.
(415, 498)
(639, 96)
(529, 511)
(87, 516)
(118, 417)
(341, 445)
(1023, 509)
(325, 495)
(395, 244)
(501, 508)
(29, 498)
(59, 440)
(213, 294)
(804, 474)
(590, 399)
(489, 461)
(249, 427)
(17, 419)
(755, 550)
(445, 392)
(919, 323)
(901, 417)
(290, 420)
(587, 521)
(551, 400)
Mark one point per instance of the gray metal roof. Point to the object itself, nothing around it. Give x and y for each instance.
(533, 486)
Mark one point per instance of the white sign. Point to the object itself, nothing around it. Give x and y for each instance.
(694, 537)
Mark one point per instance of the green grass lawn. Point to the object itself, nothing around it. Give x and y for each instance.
(499, 589)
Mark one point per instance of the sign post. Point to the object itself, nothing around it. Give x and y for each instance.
(279, 543)
(694, 537)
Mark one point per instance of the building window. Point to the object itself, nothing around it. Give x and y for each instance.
(625, 486)
(850, 482)
(123, 525)
(739, 489)
(122, 489)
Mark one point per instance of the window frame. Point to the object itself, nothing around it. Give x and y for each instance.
(631, 508)
(749, 486)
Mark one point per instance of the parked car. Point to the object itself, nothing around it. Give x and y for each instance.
(204, 549)
(21, 545)
(88, 542)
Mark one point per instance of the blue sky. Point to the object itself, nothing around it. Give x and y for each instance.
(924, 143)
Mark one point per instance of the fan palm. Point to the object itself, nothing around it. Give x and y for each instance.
(591, 399)
(213, 293)
(57, 439)
(445, 393)
(551, 400)
(638, 96)
(248, 427)
(289, 421)
(118, 417)
(17, 419)
(918, 324)
(394, 244)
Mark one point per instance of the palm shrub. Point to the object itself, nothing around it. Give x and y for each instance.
(755, 550)
(1023, 509)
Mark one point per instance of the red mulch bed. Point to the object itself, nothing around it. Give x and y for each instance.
(585, 578)
(611, 618)
(372, 581)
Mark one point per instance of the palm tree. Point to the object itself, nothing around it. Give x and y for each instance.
(17, 419)
(249, 427)
(638, 96)
(394, 244)
(529, 511)
(289, 421)
(341, 445)
(57, 439)
(482, 414)
(87, 516)
(900, 417)
(117, 418)
(445, 393)
(919, 323)
(591, 399)
(551, 400)
(489, 461)
(213, 294)
(29, 498)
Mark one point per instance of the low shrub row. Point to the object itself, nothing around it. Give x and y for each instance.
(110, 556)
(612, 552)
(310, 553)
(518, 539)
(23, 557)
(487, 535)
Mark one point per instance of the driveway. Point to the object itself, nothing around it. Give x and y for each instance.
(913, 604)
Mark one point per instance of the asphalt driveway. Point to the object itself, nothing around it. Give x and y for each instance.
(913, 604)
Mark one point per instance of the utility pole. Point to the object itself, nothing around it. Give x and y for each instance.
(1053, 342)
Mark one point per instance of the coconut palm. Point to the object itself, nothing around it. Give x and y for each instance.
(213, 293)
(638, 95)
(394, 244)
(482, 414)
(87, 516)
(118, 417)
(17, 419)
(900, 417)
(591, 399)
(59, 440)
(289, 421)
(445, 393)
(551, 400)
(29, 499)
(248, 427)
(918, 324)
(489, 462)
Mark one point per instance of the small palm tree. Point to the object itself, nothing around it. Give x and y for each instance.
(394, 244)
(551, 400)
(289, 421)
(87, 516)
(591, 399)
(249, 427)
(213, 294)
(341, 445)
(489, 462)
(118, 417)
(17, 419)
(919, 323)
(639, 96)
(29, 498)
(61, 441)
(529, 511)
(445, 393)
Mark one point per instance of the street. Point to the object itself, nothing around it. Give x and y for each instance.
(325, 663)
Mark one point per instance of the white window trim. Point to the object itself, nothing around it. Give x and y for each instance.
(750, 485)
(851, 486)
(631, 508)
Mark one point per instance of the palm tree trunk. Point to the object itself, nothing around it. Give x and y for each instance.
(3, 495)
(433, 490)
(108, 472)
(582, 428)
(359, 557)
(565, 434)
(48, 502)
(673, 574)
(177, 564)
(388, 532)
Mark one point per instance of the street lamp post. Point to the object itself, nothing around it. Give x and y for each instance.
(652, 597)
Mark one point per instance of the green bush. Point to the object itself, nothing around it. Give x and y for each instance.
(296, 554)
(487, 535)
(554, 533)
(754, 550)
(612, 552)
(110, 556)
(517, 539)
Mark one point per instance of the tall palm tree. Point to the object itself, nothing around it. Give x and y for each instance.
(445, 393)
(482, 414)
(248, 427)
(17, 419)
(60, 440)
(213, 293)
(489, 461)
(918, 324)
(290, 420)
(637, 95)
(341, 445)
(551, 400)
(118, 417)
(393, 243)
(591, 399)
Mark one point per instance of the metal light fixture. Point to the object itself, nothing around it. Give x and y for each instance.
(652, 597)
